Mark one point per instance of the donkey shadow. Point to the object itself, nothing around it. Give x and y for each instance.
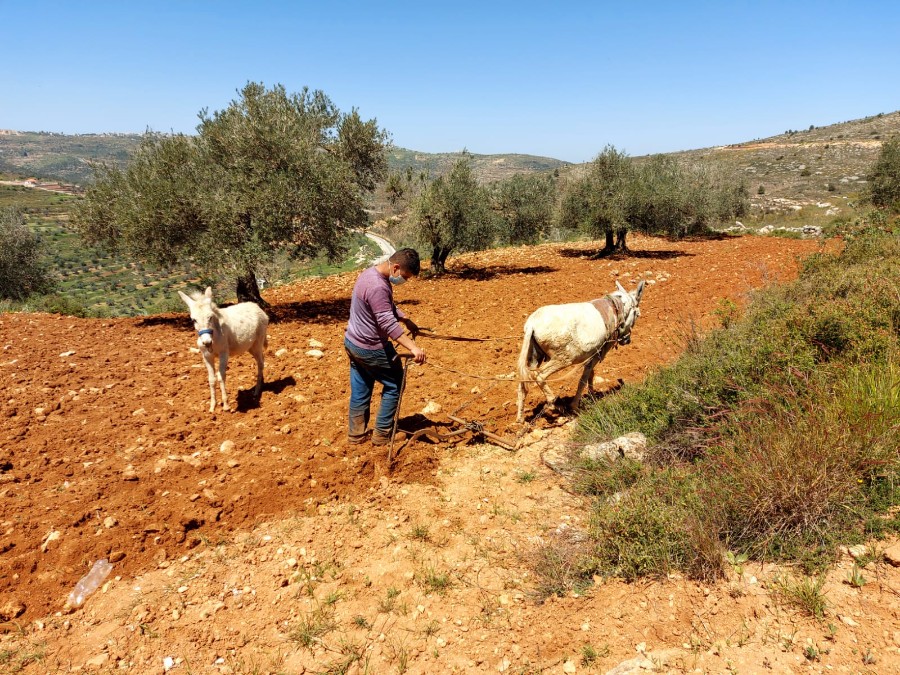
(247, 401)
(563, 406)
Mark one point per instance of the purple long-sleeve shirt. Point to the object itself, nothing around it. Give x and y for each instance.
(373, 314)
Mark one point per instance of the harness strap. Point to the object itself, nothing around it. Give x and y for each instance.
(609, 310)
(205, 331)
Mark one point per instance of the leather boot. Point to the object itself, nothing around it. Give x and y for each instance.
(381, 436)
(357, 430)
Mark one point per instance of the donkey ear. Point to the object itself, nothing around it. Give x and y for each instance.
(187, 299)
(208, 292)
(620, 287)
(639, 293)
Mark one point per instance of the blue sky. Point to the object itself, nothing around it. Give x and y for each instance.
(560, 79)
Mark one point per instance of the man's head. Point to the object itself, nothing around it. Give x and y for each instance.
(404, 263)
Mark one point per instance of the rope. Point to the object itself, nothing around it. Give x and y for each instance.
(511, 377)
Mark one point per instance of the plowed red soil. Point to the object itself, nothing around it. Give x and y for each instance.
(259, 541)
(109, 419)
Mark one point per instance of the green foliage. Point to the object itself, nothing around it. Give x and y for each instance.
(453, 213)
(23, 271)
(885, 177)
(654, 528)
(776, 436)
(596, 204)
(273, 171)
(658, 195)
(524, 206)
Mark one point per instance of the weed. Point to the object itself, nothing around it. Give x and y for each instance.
(433, 581)
(312, 626)
(387, 605)
(350, 654)
(333, 598)
(361, 622)
(811, 653)
(855, 577)
(589, 654)
(525, 476)
(420, 533)
(804, 594)
(869, 658)
(431, 629)
(736, 561)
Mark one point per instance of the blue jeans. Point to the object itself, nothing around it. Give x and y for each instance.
(368, 366)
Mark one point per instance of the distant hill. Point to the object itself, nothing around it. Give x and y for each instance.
(487, 168)
(811, 166)
(66, 157)
(796, 168)
(62, 157)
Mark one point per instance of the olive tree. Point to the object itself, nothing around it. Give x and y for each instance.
(22, 270)
(657, 195)
(272, 172)
(596, 202)
(524, 205)
(451, 213)
(885, 176)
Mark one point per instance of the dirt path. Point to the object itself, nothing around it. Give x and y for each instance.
(241, 539)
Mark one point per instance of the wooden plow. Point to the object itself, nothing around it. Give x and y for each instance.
(462, 428)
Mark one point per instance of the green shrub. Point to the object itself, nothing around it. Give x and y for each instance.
(784, 424)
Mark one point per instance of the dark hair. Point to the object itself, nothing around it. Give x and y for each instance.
(408, 259)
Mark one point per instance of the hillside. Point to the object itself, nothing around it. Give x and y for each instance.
(67, 157)
(790, 170)
(813, 166)
(487, 168)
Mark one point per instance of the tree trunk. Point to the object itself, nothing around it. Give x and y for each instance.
(248, 290)
(620, 241)
(439, 258)
(609, 248)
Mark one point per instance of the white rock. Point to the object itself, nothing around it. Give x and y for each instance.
(569, 667)
(109, 522)
(227, 446)
(315, 353)
(70, 353)
(431, 408)
(315, 344)
(168, 663)
(51, 536)
(281, 352)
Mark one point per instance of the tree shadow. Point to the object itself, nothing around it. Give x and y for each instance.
(175, 320)
(247, 401)
(487, 273)
(588, 254)
(311, 311)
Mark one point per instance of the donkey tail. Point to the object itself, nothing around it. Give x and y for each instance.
(527, 356)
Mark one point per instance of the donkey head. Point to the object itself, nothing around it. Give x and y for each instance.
(205, 315)
(631, 310)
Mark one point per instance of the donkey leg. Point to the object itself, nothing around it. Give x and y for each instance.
(211, 374)
(520, 402)
(223, 366)
(586, 376)
(258, 355)
(545, 371)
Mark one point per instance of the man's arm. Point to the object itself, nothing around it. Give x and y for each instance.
(417, 352)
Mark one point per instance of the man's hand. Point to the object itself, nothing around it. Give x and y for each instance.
(418, 353)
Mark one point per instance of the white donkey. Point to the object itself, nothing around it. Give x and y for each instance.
(558, 336)
(223, 332)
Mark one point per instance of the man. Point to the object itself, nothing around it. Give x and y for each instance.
(374, 322)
